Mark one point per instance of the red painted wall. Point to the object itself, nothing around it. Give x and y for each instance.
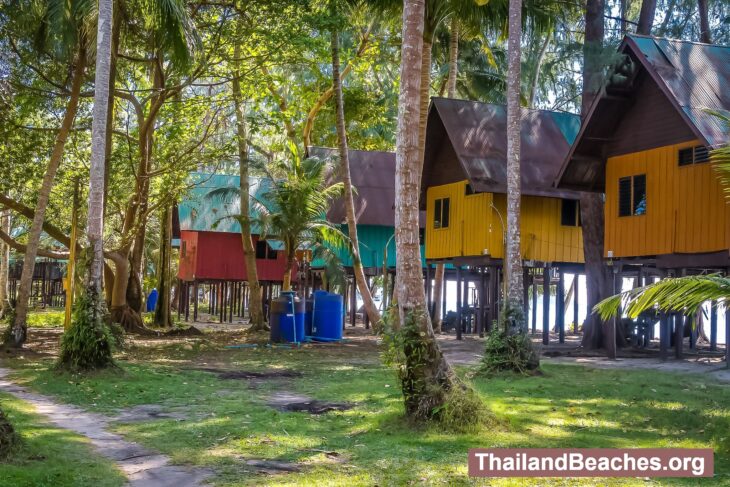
(219, 255)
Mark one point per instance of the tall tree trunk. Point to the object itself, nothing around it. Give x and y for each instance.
(598, 277)
(646, 17)
(20, 328)
(360, 279)
(705, 34)
(99, 140)
(624, 13)
(164, 279)
(4, 264)
(427, 376)
(538, 67)
(438, 278)
(513, 254)
(453, 57)
(286, 284)
(255, 302)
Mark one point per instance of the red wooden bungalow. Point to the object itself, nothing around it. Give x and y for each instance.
(211, 252)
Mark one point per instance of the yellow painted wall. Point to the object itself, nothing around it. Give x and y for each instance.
(475, 227)
(686, 211)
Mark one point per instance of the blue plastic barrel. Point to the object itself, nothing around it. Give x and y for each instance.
(327, 319)
(287, 318)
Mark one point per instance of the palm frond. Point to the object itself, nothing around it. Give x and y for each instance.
(680, 294)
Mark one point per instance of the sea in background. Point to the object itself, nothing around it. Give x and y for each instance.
(582, 306)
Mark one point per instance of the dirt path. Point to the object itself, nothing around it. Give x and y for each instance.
(143, 468)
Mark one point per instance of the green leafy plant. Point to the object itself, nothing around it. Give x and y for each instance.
(90, 342)
(508, 352)
(8, 436)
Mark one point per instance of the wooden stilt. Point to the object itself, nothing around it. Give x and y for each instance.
(482, 301)
(458, 302)
(195, 301)
(576, 296)
(180, 302)
(187, 301)
(534, 305)
(713, 326)
(526, 294)
(727, 335)
(678, 334)
(427, 272)
(664, 329)
(560, 307)
(546, 305)
(353, 302)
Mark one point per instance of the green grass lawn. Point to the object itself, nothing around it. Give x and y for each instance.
(46, 318)
(49, 456)
(228, 421)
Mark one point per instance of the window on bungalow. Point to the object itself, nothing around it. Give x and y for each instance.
(693, 155)
(570, 213)
(632, 195)
(271, 253)
(261, 247)
(468, 190)
(441, 213)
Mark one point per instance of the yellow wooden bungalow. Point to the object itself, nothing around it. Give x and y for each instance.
(464, 195)
(645, 143)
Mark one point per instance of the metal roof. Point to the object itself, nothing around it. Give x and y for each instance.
(201, 211)
(693, 76)
(477, 132)
(373, 177)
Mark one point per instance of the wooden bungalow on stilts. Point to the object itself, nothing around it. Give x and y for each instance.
(645, 143)
(47, 287)
(463, 193)
(212, 265)
(373, 177)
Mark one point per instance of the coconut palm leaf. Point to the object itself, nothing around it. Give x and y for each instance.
(680, 294)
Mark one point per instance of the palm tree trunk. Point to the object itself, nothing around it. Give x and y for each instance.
(538, 66)
(20, 328)
(705, 34)
(438, 278)
(360, 279)
(513, 257)
(427, 374)
(99, 140)
(453, 57)
(255, 306)
(286, 284)
(4, 264)
(164, 282)
(646, 17)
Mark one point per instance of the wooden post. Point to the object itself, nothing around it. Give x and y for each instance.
(576, 295)
(429, 306)
(664, 329)
(727, 334)
(71, 269)
(443, 298)
(458, 302)
(560, 307)
(187, 301)
(678, 334)
(195, 300)
(713, 326)
(366, 318)
(180, 300)
(482, 301)
(546, 305)
(526, 294)
(534, 305)
(353, 302)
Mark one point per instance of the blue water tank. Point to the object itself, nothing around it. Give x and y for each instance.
(286, 318)
(327, 315)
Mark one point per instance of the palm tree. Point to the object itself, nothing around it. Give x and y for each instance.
(357, 268)
(67, 29)
(293, 209)
(99, 129)
(255, 306)
(513, 259)
(426, 378)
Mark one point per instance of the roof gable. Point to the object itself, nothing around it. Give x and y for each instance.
(477, 136)
(691, 78)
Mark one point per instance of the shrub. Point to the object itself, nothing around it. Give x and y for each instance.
(513, 352)
(89, 343)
